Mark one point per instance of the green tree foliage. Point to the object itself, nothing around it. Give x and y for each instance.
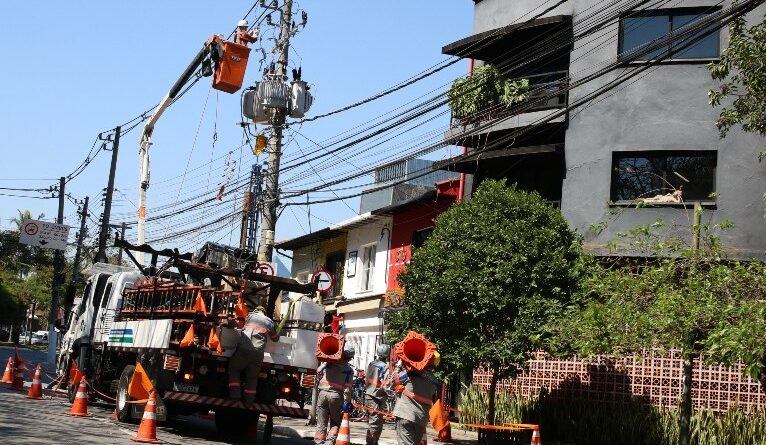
(484, 91)
(742, 73)
(489, 282)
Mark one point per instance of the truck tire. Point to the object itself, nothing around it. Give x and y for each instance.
(122, 406)
(233, 423)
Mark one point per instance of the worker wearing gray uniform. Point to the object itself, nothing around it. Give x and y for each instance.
(418, 391)
(248, 356)
(335, 382)
(376, 377)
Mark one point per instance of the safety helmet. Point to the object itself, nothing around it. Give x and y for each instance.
(242, 23)
(383, 351)
(348, 352)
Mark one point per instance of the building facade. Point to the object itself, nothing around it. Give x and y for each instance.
(617, 114)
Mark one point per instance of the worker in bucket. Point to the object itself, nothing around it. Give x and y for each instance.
(248, 356)
(376, 377)
(335, 382)
(418, 390)
(243, 36)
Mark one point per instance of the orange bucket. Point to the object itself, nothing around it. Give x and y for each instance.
(230, 70)
(330, 347)
(415, 351)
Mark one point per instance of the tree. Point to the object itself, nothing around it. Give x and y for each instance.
(491, 279)
(742, 73)
(697, 303)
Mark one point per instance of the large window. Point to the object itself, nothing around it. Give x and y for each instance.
(638, 30)
(641, 175)
(368, 267)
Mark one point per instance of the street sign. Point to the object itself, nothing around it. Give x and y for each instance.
(323, 279)
(266, 269)
(44, 234)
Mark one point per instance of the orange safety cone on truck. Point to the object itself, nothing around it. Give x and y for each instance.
(8, 374)
(36, 390)
(535, 436)
(344, 433)
(18, 376)
(80, 405)
(147, 431)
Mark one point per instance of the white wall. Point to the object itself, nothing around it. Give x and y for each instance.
(362, 330)
(357, 239)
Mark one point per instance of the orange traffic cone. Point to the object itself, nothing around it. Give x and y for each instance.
(8, 375)
(535, 436)
(344, 433)
(18, 379)
(199, 304)
(147, 431)
(80, 405)
(36, 390)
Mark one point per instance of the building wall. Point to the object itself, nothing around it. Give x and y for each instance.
(309, 258)
(665, 109)
(363, 333)
(409, 220)
(358, 238)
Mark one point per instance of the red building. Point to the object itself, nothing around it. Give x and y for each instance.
(411, 225)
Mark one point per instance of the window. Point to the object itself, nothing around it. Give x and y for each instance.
(648, 174)
(368, 267)
(336, 262)
(637, 30)
(302, 277)
(419, 236)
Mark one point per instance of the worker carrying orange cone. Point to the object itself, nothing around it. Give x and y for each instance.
(334, 396)
(8, 374)
(147, 430)
(418, 387)
(80, 405)
(36, 390)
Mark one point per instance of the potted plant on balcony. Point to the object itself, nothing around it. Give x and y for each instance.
(485, 94)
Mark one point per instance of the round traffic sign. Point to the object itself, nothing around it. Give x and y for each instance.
(323, 279)
(31, 228)
(265, 269)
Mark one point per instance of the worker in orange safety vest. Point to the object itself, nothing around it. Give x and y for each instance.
(377, 379)
(334, 397)
(418, 391)
(248, 356)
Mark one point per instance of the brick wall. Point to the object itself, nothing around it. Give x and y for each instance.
(654, 378)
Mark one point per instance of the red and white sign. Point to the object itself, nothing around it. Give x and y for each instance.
(323, 279)
(44, 234)
(266, 269)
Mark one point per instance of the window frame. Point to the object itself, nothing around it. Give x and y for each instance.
(617, 155)
(367, 278)
(669, 13)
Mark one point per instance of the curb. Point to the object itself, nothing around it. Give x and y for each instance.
(355, 439)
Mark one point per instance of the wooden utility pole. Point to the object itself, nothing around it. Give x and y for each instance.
(58, 279)
(75, 277)
(103, 234)
(271, 195)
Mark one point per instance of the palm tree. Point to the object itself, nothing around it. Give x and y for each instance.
(26, 214)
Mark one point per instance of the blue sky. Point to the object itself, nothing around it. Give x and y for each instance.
(74, 69)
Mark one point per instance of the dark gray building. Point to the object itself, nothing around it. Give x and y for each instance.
(618, 113)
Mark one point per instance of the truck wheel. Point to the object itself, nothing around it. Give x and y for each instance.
(122, 406)
(232, 422)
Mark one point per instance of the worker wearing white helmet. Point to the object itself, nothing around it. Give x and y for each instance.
(335, 382)
(377, 377)
(243, 36)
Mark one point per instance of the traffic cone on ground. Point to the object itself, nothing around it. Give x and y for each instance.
(344, 433)
(8, 375)
(80, 405)
(535, 435)
(147, 431)
(36, 390)
(18, 379)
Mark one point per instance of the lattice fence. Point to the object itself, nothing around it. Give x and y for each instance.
(654, 378)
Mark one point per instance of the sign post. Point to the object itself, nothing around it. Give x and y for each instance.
(44, 234)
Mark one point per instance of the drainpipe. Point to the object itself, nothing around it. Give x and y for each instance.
(461, 187)
(388, 252)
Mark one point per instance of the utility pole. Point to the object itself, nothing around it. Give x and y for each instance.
(122, 236)
(58, 278)
(104, 233)
(250, 211)
(271, 196)
(69, 297)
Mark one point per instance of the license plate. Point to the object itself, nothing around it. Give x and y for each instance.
(186, 387)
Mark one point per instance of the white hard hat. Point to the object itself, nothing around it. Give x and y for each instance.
(242, 23)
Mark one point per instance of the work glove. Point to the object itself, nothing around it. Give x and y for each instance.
(347, 407)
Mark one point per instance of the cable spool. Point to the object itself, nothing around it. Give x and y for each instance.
(330, 347)
(415, 351)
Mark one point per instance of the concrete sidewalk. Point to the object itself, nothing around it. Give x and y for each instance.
(359, 432)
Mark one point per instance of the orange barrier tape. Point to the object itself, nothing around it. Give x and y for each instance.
(139, 402)
(373, 410)
(504, 427)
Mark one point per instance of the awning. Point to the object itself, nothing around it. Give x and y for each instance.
(358, 306)
(499, 42)
(467, 163)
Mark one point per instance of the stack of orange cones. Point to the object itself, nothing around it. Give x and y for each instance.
(36, 390)
(147, 431)
(8, 375)
(344, 433)
(18, 379)
(536, 436)
(80, 405)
